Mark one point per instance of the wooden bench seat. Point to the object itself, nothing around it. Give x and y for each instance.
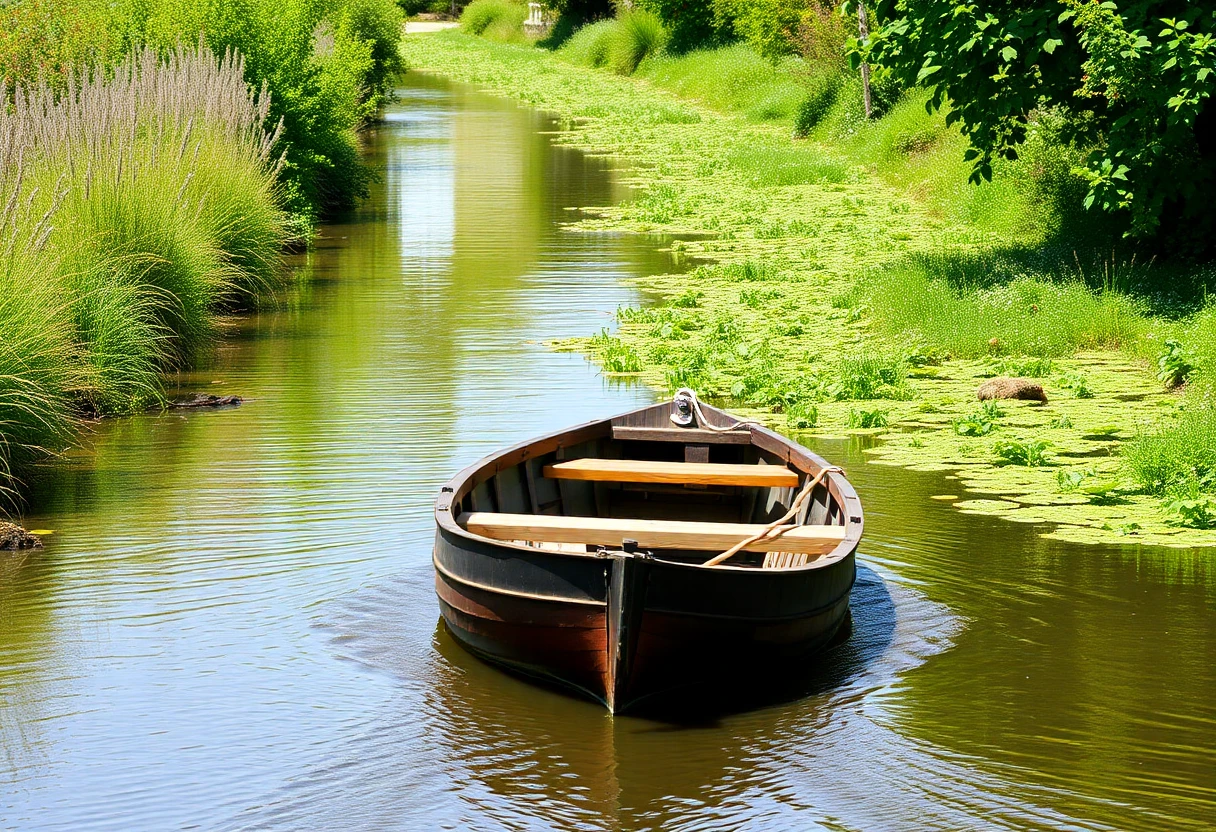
(680, 473)
(650, 534)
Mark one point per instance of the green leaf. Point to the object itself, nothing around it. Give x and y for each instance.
(1051, 44)
(1009, 53)
(925, 72)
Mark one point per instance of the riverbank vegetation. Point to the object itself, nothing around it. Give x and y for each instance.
(853, 280)
(147, 189)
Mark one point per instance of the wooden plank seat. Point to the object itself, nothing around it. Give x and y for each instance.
(650, 534)
(679, 473)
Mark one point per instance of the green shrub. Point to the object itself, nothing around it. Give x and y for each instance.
(821, 95)
(1179, 454)
(691, 23)
(589, 45)
(480, 15)
(1175, 365)
(638, 34)
(771, 27)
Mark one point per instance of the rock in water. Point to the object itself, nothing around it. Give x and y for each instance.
(1012, 388)
(13, 537)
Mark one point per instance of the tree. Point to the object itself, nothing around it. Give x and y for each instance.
(1135, 78)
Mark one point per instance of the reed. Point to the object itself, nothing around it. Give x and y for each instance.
(138, 205)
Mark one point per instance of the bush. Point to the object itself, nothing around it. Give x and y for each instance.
(692, 24)
(1179, 455)
(589, 45)
(480, 15)
(821, 96)
(771, 27)
(638, 34)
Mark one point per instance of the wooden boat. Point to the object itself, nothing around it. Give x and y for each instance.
(632, 556)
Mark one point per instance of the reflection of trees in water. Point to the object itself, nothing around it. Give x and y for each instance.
(1076, 663)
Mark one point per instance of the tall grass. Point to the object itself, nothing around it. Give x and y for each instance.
(501, 20)
(1177, 456)
(733, 79)
(139, 205)
(328, 64)
(638, 34)
(589, 45)
(973, 305)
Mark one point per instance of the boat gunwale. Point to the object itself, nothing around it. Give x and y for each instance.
(801, 457)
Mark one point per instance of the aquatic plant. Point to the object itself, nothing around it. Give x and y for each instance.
(1030, 454)
(1175, 365)
(614, 355)
(871, 377)
(1196, 511)
(869, 419)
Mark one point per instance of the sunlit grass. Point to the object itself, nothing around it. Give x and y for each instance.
(977, 305)
(140, 205)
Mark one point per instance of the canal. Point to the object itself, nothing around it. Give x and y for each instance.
(233, 624)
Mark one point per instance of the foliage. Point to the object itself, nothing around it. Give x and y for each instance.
(733, 78)
(1135, 79)
(866, 419)
(771, 27)
(1077, 383)
(821, 95)
(327, 65)
(589, 45)
(691, 23)
(114, 271)
(614, 355)
(1175, 365)
(802, 414)
(1196, 511)
(480, 15)
(960, 302)
(638, 34)
(1180, 453)
(1030, 454)
(871, 377)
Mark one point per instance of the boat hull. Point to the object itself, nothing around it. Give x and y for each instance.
(672, 626)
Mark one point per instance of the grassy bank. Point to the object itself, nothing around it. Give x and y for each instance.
(327, 65)
(137, 208)
(843, 288)
(147, 190)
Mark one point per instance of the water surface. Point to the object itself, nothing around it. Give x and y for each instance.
(233, 626)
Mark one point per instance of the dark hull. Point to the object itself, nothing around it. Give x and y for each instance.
(625, 628)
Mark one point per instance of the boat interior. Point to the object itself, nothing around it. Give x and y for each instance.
(681, 495)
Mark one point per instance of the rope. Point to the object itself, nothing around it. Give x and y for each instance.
(781, 525)
(690, 396)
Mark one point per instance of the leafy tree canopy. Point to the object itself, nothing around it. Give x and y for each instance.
(1136, 78)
